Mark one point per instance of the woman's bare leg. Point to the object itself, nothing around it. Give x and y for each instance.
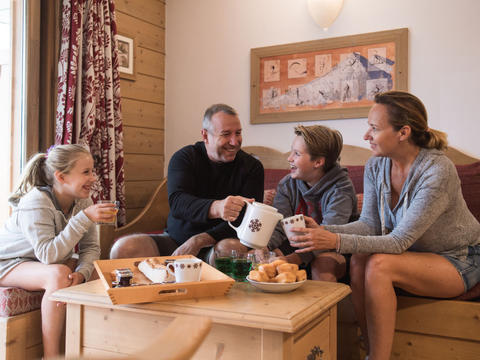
(357, 283)
(422, 274)
(34, 276)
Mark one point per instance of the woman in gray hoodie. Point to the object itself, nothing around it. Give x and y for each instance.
(415, 231)
(52, 213)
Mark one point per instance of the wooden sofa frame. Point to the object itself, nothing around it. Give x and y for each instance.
(425, 328)
(21, 336)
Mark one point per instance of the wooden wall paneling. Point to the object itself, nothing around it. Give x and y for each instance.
(143, 167)
(143, 100)
(152, 11)
(147, 35)
(139, 192)
(145, 88)
(150, 62)
(142, 114)
(132, 213)
(143, 141)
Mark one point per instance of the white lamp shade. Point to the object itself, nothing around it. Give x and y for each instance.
(324, 12)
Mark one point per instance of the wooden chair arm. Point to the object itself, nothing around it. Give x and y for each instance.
(152, 218)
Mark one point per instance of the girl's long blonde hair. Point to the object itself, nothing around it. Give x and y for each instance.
(41, 168)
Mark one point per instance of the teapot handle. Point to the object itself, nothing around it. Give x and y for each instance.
(236, 228)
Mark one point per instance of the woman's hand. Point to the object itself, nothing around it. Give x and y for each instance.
(313, 239)
(101, 212)
(310, 223)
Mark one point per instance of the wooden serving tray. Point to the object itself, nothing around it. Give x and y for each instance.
(212, 283)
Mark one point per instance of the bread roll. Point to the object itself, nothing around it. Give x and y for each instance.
(256, 275)
(268, 269)
(301, 275)
(278, 262)
(292, 268)
(285, 277)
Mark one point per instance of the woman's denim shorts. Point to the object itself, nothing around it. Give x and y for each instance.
(469, 269)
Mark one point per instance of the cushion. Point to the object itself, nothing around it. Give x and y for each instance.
(268, 196)
(472, 294)
(355, 172)
(359, 203)
(470, 178)
(273, 176)
(15, 301)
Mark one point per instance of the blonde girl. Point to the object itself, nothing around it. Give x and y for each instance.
(52, 213)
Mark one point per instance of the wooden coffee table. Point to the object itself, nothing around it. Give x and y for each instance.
(247, 323)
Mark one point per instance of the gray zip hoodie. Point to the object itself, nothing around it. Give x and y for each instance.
(38, 230)
(332, 200)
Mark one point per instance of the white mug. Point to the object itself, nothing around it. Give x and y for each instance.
(186, 270)
(297, 221)
(257, 225)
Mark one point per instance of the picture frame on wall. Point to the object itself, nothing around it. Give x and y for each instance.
(326, 79)
(126, 56)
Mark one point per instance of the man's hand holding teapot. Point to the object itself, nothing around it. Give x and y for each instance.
(229, 208)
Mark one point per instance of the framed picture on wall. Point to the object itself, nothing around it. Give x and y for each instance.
(333, 78)
(126, 56)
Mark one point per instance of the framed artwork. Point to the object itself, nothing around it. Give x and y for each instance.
(126, 56)
(327, 79)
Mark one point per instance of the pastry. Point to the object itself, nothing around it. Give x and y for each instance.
(292, 268)
(256, 275)
(268, 269)
(301, 275)
(278, 262)
(156, 271)
(285, 277)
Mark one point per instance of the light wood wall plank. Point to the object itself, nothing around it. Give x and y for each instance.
(143, 141)
(150, 62)
(139, 192)
(145, 88)
(143, 167)
(146, 35)
(143, 114)
(132, 213)
(143, 100)
(152, 11)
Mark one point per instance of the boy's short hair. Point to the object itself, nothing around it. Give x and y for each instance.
(321, 141)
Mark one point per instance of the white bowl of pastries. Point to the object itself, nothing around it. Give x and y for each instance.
(278, 276)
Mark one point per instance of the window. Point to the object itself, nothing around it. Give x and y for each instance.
(12, 62)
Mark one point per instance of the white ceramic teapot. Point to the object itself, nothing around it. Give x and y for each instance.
(257, 225)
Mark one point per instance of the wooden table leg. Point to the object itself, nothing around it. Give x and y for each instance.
(73, 341)
(333, 332)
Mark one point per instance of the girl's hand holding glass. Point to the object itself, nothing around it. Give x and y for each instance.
(102, 213)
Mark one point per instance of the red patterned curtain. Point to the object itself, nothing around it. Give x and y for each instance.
(88, 104)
